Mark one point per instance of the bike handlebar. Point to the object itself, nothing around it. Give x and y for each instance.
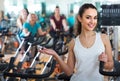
(115, 72)
(26, 75)
(12, 60)
(5, 32)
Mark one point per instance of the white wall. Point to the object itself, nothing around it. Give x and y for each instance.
(1, 4)
(64, 6)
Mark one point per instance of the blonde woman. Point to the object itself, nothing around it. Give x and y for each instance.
(31, 26)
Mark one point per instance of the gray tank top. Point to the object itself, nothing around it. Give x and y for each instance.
(87, 63)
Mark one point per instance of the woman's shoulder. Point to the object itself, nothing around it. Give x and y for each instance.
(37, 25)
(63, 16)
(26, 24)
(52, 17)
(104, 37)
(72, 43)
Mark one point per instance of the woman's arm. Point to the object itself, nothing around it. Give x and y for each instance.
(71, 58)
(67, 68)
(64, 22)
(40, 32)
(26, 32)
(107, 57)
(19, 23)
(53, 24)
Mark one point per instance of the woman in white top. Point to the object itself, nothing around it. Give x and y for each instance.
(87, 49)
(22, 18)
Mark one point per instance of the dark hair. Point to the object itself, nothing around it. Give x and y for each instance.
(80, 13)
(57, 6)
(26, 10)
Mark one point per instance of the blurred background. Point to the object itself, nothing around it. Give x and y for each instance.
(11, 12)
(108, 13)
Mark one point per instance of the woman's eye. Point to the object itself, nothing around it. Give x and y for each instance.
(88, 17)
(96, 18)
(91, 18)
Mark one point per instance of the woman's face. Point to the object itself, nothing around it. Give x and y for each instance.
(88, 19)
(57, 11)
(33, 18)
(24, 12)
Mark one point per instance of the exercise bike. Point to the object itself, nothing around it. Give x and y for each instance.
(24, 74)
(114, 75)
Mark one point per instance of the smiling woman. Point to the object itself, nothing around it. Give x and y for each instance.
(87, 49)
